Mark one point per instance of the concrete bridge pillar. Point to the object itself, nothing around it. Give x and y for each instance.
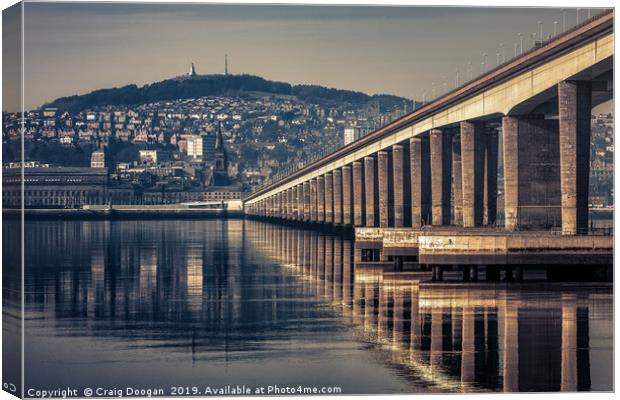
(441, 176)
(383, 180)
(313, 201)
(531, 172)
(320, 195)
(473, 147)
(457, 180)
(292, 201)
(329, 198)
(574, 111)
(337, 197)
(490, 177)
(278, 205)
(358, 194)
(400, 181)
(286, 210)
(305, 188)
(420, 181)
(371, 189)
(347, 196)
(300, 202)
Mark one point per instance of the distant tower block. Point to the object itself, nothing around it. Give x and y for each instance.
(225, 64)
(192, 70)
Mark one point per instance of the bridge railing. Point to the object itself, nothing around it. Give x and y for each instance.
(299, 164)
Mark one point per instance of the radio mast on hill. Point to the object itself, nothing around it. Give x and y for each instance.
(225, 64)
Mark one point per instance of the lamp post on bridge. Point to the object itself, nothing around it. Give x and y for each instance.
(563, 20)
(540, 27)
(555, 28)
(521, 42)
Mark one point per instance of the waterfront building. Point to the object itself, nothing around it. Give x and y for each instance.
(54, 187)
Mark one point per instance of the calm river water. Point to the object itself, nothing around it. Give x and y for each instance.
(197, 304)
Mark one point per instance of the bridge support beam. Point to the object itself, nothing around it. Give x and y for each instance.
(490, 177)
(293, 203)
(574, 110)
(299, 193)
(347, 196)
(472, 157)
(383, 180)
(305, 187)
(287, 204)
(329, 198)
(272, 206)
(420, 181)
(337, 197)
(281, 205)
(441, 164)
(457, 180)
(531, 172)
(358, 194)
(313, 201)
(400, 182)
(370, 187)
(290, 204)
(320, 195)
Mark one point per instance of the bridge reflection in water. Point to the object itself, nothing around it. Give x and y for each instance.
(115, 303)
(458, 337)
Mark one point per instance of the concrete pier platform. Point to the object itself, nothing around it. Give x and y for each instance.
(487, 246)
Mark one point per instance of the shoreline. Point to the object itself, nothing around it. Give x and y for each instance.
(115, 214)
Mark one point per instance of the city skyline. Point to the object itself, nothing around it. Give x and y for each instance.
(90, 46)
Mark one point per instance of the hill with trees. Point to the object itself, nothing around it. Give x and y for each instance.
(218, 85)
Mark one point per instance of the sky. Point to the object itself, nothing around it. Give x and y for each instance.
(76, 48)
